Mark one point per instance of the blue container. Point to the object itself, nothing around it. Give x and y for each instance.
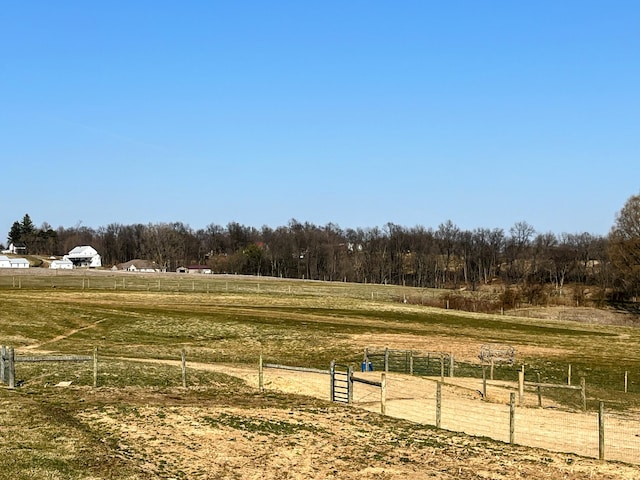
(367, 367)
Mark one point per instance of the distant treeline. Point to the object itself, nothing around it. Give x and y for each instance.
(446, 257)
(537, 264)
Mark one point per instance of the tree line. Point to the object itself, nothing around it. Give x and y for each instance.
(444, 257)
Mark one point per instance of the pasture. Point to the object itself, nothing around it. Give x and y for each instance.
(141, 423)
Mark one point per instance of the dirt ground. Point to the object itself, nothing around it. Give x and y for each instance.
(329, 440)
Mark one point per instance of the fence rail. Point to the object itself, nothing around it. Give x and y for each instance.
(8, 360)
(53, 358)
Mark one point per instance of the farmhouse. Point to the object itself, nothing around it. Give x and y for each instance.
(16, 248)
(84, 256)
(138, 265)
(6, 262)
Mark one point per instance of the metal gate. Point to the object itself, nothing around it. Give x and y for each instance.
(341, 383)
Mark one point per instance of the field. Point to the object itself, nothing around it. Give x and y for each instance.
(141, 423)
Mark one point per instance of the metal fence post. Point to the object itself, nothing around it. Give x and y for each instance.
(383, 393)
(95, 367)
(438, 404)
(601, 431)
(183, 354)
(332, 380)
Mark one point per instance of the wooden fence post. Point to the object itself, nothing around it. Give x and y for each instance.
(438, 404)
(410, 363)
(601, 431)
(451, 365)
(492, 365)
(569, 375)
(539, 391)
(260, 375)
(184, 368)
(512, 418)
(12, 367)
(95, 367)
(583, 393)
(386, 359)
(484, 382)
(383, 393)
(441, 367)
(626, 381)
(3, 356)
(521, 386)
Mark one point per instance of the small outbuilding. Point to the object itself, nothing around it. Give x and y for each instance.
(6, 262)
(64, 264)
(19, 263)
(138, 265)
(199, 269)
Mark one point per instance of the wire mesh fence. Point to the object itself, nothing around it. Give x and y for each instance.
(464, 409)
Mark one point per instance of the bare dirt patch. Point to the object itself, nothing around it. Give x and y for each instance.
(316, 440)
(465, 350)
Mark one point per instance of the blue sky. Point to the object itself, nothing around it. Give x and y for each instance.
(357, 113)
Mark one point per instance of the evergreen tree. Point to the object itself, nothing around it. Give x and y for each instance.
(15, 234)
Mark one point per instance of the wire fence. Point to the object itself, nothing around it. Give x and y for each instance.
(461, 407)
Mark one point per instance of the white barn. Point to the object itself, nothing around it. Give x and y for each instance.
(84, 256)
(64, 264)
(19, 263)
(6, 262)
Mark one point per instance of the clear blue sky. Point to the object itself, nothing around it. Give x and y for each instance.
(352, 112)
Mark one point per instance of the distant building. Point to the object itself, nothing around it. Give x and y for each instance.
(138, 265)
(16, 249)
(198, 269)
(84, 256)
(19, 263)
(64, 264)
(6, 262)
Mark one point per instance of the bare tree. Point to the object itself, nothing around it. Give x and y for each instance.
(624, 247)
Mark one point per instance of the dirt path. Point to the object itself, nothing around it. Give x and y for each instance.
(38, 346)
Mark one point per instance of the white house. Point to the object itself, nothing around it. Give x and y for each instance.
(64, 264)
(5, 262)
(84, 256)
(15, 248)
